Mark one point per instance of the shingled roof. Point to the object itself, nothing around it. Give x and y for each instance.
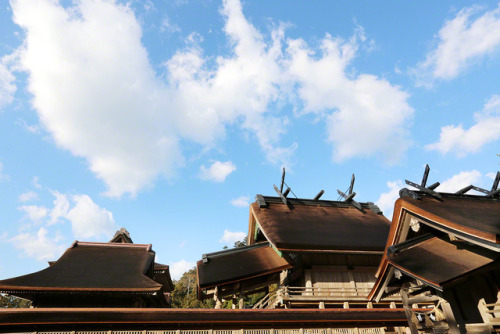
(317, 225)
(238, 264)
(439, 262)
(89, 266)
(474, 221)
(88, 272)
(477, 216)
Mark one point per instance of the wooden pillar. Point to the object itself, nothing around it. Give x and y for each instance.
(218, 302)
(408, 311)
(308, 279)
(241, 302)
(450, 318)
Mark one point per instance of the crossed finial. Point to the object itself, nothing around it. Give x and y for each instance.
(349, 197)
(422, 187)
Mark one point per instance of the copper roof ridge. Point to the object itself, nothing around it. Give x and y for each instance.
(311, 201)
(455, 195)
(236, 250)
(318, 202)
(31, 289)
(111, 245)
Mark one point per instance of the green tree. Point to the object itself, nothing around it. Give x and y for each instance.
(7, 301)
(185, 292)
(239, 243)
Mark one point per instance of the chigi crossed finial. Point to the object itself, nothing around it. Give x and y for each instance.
(349, 197)
(488, 193)
(422, 187)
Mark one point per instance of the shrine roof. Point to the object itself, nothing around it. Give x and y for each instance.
(90, 266)
(319, 225)
(478, 216)
(238, 264)
(439, 262)
(161, 275)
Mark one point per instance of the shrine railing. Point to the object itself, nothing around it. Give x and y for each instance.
(238, 331)
(490, 312)
(327, 294)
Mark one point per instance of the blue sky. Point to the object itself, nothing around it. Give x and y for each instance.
(167, 117)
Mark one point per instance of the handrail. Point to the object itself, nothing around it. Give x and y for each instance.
(489, 312)
(300, 288)
(326, 293)
(266, 301)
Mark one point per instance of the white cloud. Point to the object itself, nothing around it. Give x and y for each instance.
(459, 181)
(30, 128)
(464, 141)
(229, 238)
(34, 213)
(28, 196)
(366, 115)
(99, 97)
(461, 42)
(217, 172)
(7, 86)
(491, 175)
(168, 26)
(35, 182)
(180, 267)
(60, 209)
(241, 202)
(89, 220)
(386, 200)
(97, 94)
(38, 245)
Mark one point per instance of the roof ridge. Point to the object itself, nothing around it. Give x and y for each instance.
(235, 250)
(111, 245)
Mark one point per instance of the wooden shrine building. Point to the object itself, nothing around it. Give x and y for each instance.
(91, 274)
(304, 253)
(444, 249)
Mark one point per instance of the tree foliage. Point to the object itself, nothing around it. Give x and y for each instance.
(7, 301)
(185, 293)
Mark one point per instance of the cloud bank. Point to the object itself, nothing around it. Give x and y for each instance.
(98, 95)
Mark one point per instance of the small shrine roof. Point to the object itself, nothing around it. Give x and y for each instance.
(238, 264)
(91, 266)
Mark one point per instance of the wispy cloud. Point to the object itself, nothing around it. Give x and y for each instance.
(454, 138)
(217, 171)
(229, 237)
(180, 267)
(38, 245)
(34, 213)
(28, 196)
(386, 200)
(3, 176)
(241, 202)
(7, 85)
(461, 41)
(459, 181)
